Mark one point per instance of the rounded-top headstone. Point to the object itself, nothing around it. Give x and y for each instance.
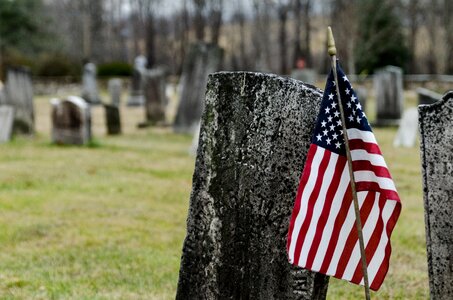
(254, 138)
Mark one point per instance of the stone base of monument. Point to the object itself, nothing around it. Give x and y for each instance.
(136, 100)
(112, 119)
(71, 121)
(305, 75)
(255, 134)
(426, 96)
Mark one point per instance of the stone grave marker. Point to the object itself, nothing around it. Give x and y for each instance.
(89, 84)
(426, 96)
(254, 138)
(202, 59)
(388, 84)
(136, 97)
(406, 136)
(155, 98)
(114, 87)
(71, 121)
(436, 132)
(6, 122)
(306, 75)
(112, 119)
(19, 94)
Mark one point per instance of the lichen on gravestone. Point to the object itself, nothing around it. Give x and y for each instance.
(436, 131)
(255, 134)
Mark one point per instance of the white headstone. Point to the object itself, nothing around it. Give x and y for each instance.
(6, 122)
(89, 85)
(407, 131)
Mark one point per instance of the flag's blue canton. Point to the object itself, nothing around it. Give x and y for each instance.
(329, 131)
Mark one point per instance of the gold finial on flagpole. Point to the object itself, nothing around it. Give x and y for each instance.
(331, 49)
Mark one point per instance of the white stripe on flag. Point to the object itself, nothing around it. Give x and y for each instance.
(319, 205)
(328, 229)
(369, 176)
(366, 136)
(379, 254)
(349, 222)
(374, 159)
(308, 189)
(367, 231)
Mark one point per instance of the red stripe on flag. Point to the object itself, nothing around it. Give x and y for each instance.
(373, 186)
(365, 165)
(303, 180)
(339, 167)
(373, 243)
(311, 204)
(352, 239)
(357, 144)
(339, 220)
(379, 278)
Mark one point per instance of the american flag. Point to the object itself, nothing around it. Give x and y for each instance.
(322, 234)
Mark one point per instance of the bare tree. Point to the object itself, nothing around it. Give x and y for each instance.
(283, 7)
(448, 26)
(145, 10)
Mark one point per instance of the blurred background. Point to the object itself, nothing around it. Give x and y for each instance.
(55, 37)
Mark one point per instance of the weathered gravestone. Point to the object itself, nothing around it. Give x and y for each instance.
(89, 85)
(19, 94)
(6, 122)
(255, 135)
(406, 135)
(388, 84)
(201, 60)
(155, 97)
(436, 131)
(136, 97)
(426, 96)
(112, 111)
(71, 121)
(112, 119)
(114, 87)
(305, 75)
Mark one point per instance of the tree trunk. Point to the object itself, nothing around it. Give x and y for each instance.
(282, 17)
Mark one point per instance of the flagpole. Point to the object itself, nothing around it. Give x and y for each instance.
(331, 49)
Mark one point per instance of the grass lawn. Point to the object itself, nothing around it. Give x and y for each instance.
(108, 221)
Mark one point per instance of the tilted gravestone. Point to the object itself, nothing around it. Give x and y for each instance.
(136, 97)
(426, 96)
(388, 85)
(406, 136)
(19, 94)
(114, 87)
(254, 138)
(201, 60)
(89, 84)
(155, 98)
(436, 131)
(71, 121)
(6, 122)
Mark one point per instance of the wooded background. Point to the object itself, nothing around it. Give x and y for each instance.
(54, 37)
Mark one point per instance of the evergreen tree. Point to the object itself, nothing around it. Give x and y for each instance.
(381, 41)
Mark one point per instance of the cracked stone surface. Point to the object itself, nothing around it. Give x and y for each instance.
(436, 130)
(255, 134)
